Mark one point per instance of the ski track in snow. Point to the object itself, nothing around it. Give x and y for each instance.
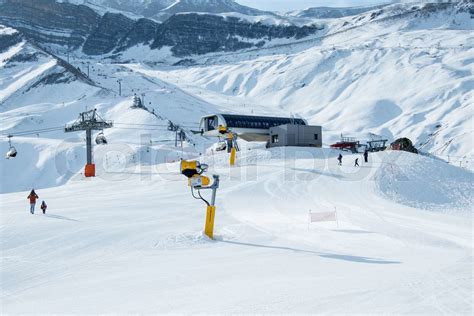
(101, 235)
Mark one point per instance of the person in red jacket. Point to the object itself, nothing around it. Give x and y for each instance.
(33, 196)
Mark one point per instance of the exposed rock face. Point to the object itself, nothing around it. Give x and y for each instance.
(107, 34)
(56, 77)
(210, 6)
(200, 34)
(140, 7)
(48, 22)
(8, 39)
(161, 10)
(142, 32)
(331, 13)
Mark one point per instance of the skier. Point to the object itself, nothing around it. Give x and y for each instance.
(339, 158)
(366, 156)
(44, 207)
(356, 162)
(33, 196)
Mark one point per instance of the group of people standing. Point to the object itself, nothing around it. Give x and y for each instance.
(33, 197)
(356, 162)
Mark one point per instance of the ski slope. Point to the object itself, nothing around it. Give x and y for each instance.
(133, 244)
(130, 240)
(396, 77)
(51, 158)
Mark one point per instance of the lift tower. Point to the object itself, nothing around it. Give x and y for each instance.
(88, 121)
(231, 142)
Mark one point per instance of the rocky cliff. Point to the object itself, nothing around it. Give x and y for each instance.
(160, 10)
(107, 34)
(8, 38)
(332, 13)
(48, 23)
(200, 34)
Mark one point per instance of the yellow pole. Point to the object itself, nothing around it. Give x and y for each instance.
(232, 156)
(210, 215)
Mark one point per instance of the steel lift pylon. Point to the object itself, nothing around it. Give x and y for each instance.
(88, 121)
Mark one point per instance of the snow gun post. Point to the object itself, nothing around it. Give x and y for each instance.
(89, 121)
(194, 170)
(231, 140)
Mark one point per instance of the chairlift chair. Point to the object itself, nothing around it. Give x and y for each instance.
(100, 139)
(12, 152)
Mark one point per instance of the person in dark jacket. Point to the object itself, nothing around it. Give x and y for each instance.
(33, 196)
(339, 158)
(44, 207)
(356, 162)
(366, 155)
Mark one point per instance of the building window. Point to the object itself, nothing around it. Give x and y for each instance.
(274, 139)
(211, 123)
(315, 136)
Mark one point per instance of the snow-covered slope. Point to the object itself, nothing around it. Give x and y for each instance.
(162, 9)
(397, 77)
(404, 77)
(140, 7)
(28, 71)
(331, 12)
(211, 6)
(131, 242)
(40, 97)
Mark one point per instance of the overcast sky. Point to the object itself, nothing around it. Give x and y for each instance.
(289, 5)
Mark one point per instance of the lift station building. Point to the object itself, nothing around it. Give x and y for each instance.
(295, 135)
(277, 131)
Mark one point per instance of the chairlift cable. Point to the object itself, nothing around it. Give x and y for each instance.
(59, 128)
(32, 132)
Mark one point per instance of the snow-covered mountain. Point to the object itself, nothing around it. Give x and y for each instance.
(331, 12)
(134, 6)
(129, 241)
(160, 10)
(418, 83)
(71, 27)
(26, 68)
(209, 6)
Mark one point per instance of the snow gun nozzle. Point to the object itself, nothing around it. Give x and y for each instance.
(192, 168)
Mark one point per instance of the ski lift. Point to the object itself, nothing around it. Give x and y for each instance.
(11, 153)
(100, 139)
(137, 102)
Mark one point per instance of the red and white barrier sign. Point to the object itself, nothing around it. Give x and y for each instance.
(323, 217)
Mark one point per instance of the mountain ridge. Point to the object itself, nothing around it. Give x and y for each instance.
(160, 10)
(73, 27)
